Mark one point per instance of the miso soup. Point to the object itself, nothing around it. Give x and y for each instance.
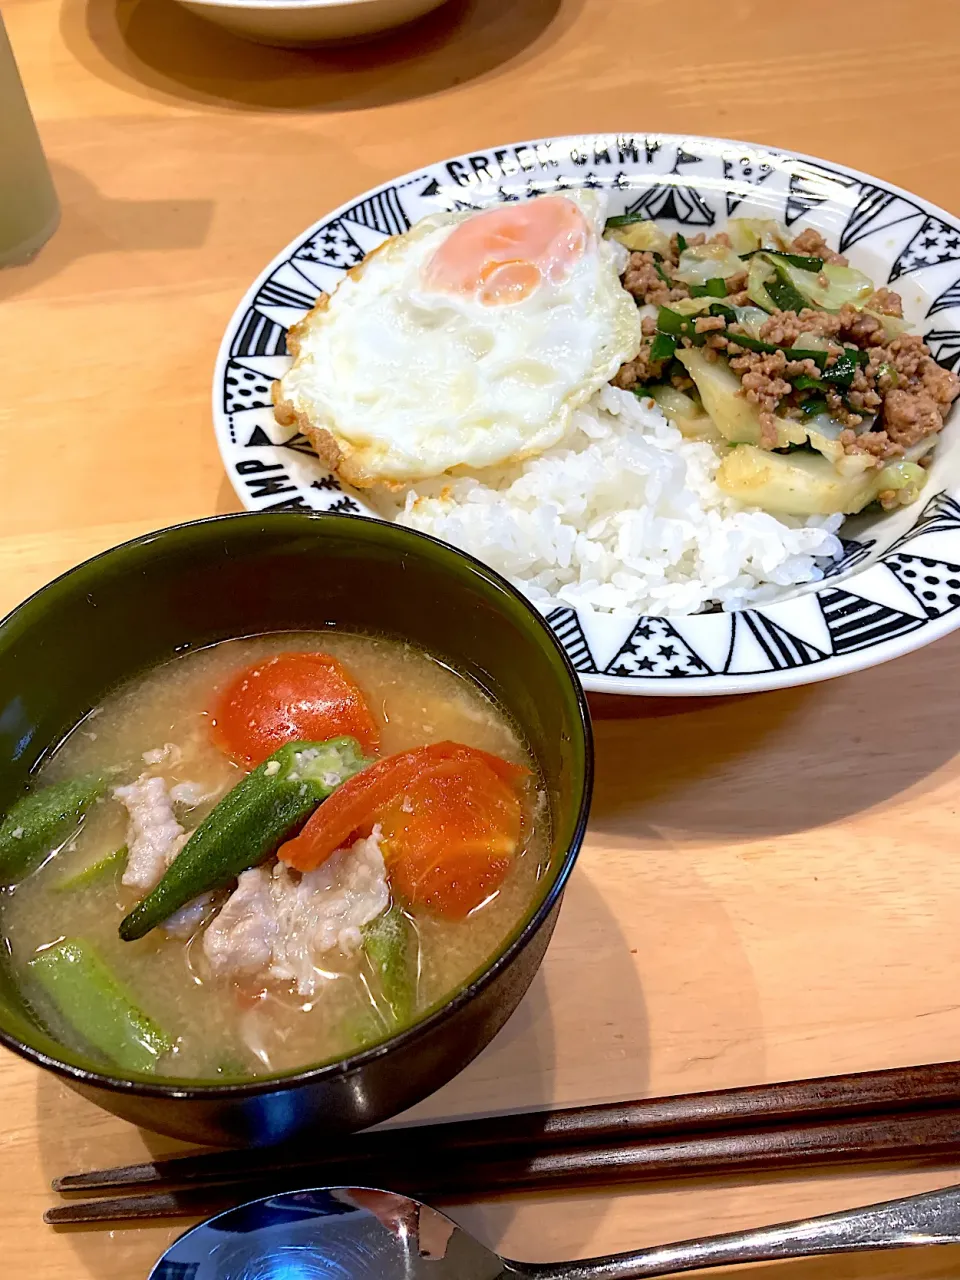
(267, 854)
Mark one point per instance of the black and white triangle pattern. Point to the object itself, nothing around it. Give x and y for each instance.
(259, 336)
(566, 627)
(332, 246)
(939, 515)
(876, 210)
(780, 650)
(944, 346)
(854, 553)
(855, 623)
(277, 293)
(654, 648)
(298, 442)
(681, 204)
(946, 300)
(935, 585)
(743, 170)
(935, 242)
(245, 388)
(381, 212)
(811, 186)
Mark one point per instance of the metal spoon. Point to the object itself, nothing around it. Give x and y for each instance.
(356, 1233)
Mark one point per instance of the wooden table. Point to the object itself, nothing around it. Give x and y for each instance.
(770, 887)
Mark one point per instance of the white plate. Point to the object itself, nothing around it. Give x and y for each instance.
(898, 585)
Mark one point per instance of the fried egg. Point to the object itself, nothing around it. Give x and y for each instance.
(467, 342)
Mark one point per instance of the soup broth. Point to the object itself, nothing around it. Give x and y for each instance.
(224, 1024)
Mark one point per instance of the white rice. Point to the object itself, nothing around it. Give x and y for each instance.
(622, 516)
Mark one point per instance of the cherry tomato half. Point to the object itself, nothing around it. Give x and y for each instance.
(288, 698)
(451, 819)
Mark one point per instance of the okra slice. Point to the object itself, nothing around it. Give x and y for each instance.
(96, 872)
(97, 1006)
(391, 946)
(42, 820)
(248, 824)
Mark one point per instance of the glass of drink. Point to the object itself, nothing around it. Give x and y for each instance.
(29, 209)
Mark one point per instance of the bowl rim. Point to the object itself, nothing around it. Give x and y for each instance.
(261, 1085)
(715, 683)
(304, 6)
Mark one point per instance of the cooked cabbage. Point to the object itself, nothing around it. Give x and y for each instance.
(733, 415)
(748, 234)
(685, 413)
(796, 484)
(641, 237)
(707, 262)
(751, 318)
(843, 284)
(759, 275)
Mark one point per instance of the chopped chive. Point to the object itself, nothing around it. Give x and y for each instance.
(716, 288)
(625, 220)
(723, 311)
(794, 259)
(681, 242)
(814, 406)
(785, 297)
(803, 382)
(660, 271)
(842, 370)
(663, 346)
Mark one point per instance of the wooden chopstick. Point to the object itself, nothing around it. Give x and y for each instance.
(918, 1136)
(824, 1098)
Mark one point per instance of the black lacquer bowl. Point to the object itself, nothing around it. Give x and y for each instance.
(140, 604)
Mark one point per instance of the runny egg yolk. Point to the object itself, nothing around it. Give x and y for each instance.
(501, 256)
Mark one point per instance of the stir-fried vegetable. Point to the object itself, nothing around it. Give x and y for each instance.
(707, 262)
(41, 822)
(450, 817)
(639, 234)
(749, 234)
(733, 415)
(293, 697)
(247, 825)
(686, 414)
(91, 999)
(807, 484)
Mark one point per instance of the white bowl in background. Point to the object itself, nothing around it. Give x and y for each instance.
(309, 22)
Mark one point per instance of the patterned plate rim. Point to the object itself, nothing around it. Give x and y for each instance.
(794, 660)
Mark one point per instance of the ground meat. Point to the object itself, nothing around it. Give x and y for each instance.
(909, 416)
(837, 409)
(901, 387)
(857, 327)
(785, 327)
(876, 443)
(941, 384)
(861, 395)
(887, 303)
(761, 376)
(640, 369)
(644, 281)
(811, 244)
(736, 285)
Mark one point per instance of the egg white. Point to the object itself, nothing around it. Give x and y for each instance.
(411, 384)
